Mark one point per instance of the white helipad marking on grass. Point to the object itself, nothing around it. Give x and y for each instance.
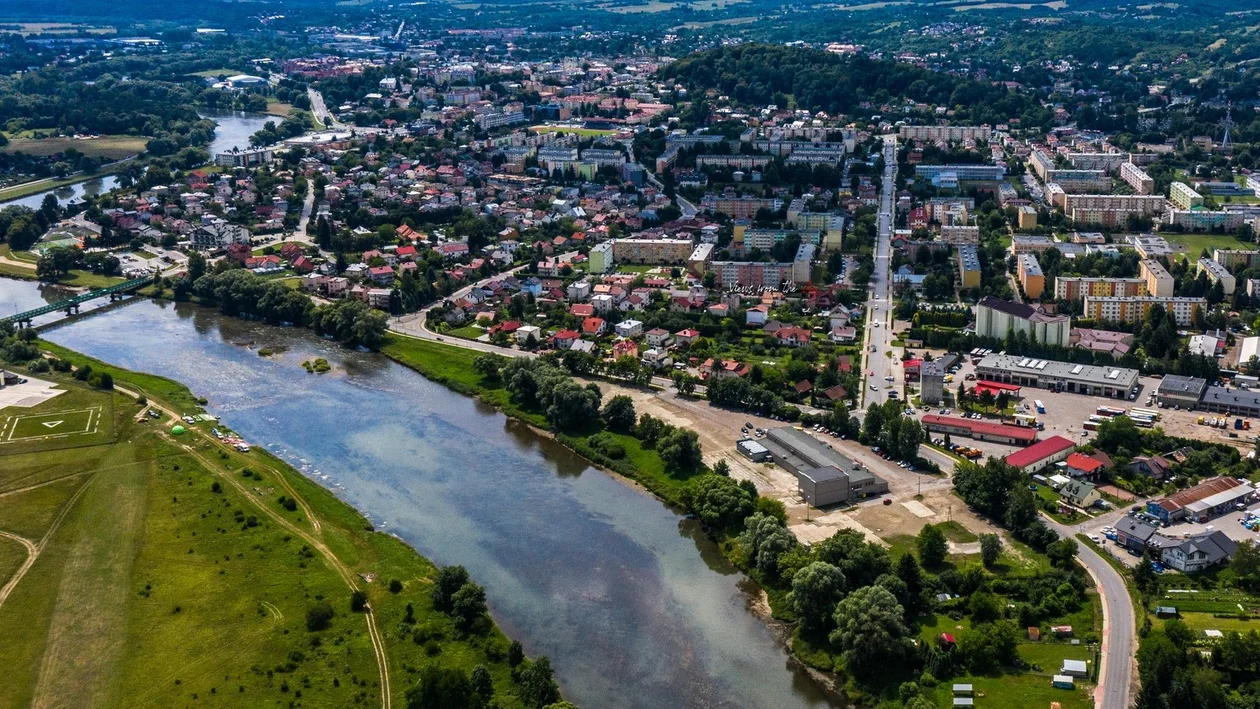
(918, 509)
(53, 424)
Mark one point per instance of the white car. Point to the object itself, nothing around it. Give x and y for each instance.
(874, 388)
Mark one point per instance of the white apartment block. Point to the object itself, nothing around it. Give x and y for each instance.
(952, 134)
(1137, 178)
(1133, 309)
(1130, 203)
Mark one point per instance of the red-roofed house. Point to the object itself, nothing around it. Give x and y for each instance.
(382, 274)
(625, 348)
(686, 337)
(1040, 455)
(594, 327)
(1082, 466)
(564, 339)
(581, 310)
(793, 336)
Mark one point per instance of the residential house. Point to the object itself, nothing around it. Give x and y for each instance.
(686, 337)
(756, 315)
(629, 328)
(564, 339)
(658, 337)
(1080, 493)
(594, 327)
(791, 336)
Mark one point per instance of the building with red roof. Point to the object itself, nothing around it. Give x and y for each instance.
(1082, 466)
(912, 367)
(981, 430)
(1040, 455)
(593, 327)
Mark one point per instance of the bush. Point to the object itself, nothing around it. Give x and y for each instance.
(395, 586)
(319, 616)
(605, 444)
(358, 601)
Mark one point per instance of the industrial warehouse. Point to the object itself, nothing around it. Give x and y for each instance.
(1114, 382)
(1194, 393)
(823, 476)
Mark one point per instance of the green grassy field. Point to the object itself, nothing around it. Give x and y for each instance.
(1194, 244)
(581, 132)
(114, 147)
(79, 417)
(166, 574)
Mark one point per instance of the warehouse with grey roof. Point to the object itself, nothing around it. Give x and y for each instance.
(1115, 382)
(823, 475)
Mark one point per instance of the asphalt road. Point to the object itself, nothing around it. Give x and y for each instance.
(878, 336)
(1119, 627)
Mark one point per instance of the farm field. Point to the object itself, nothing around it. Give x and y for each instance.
(114, 147)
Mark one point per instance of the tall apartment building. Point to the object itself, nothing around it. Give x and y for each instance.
(758, 274)
(1206, 220)
(1132, 309)
(651, 250)
(1183, 196)
(552, 157)
(968, 266)
(1232, 257)
(604, 156)
(1077, 287)
(765, 239)
(1216, 272)
(960, 234)
(1107, 162)
(953, 134)
(1041, 163)
(744, 207)
(1131, 203)
(601, 259)
(1079, 181)
(997, 318)
(737, 162)
(1137, 178)
(1031, 277)
(1159, 282)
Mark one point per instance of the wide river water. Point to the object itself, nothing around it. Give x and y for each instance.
(635, 606)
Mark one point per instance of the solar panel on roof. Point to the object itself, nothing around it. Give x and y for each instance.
(1024, 362)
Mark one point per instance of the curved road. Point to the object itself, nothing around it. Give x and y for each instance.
(1119, 641)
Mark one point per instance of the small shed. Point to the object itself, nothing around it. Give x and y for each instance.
(1165, 611)
(1074, 668)
(1063, 682)
(964, 702)
(1062, 631)
(963, 690)
(946, 640)
(1034, 633)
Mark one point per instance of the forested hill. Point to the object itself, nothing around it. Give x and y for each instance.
(760, 74)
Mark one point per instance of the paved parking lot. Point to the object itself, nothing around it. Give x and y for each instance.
(1065, 412)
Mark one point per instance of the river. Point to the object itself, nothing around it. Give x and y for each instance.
(635, 606)
(233, 131)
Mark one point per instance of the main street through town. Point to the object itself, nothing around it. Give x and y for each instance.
(1119, 639)
(878, 339)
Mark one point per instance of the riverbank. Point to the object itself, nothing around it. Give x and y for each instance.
(453, 367)
(27, 189)
(265, 544)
